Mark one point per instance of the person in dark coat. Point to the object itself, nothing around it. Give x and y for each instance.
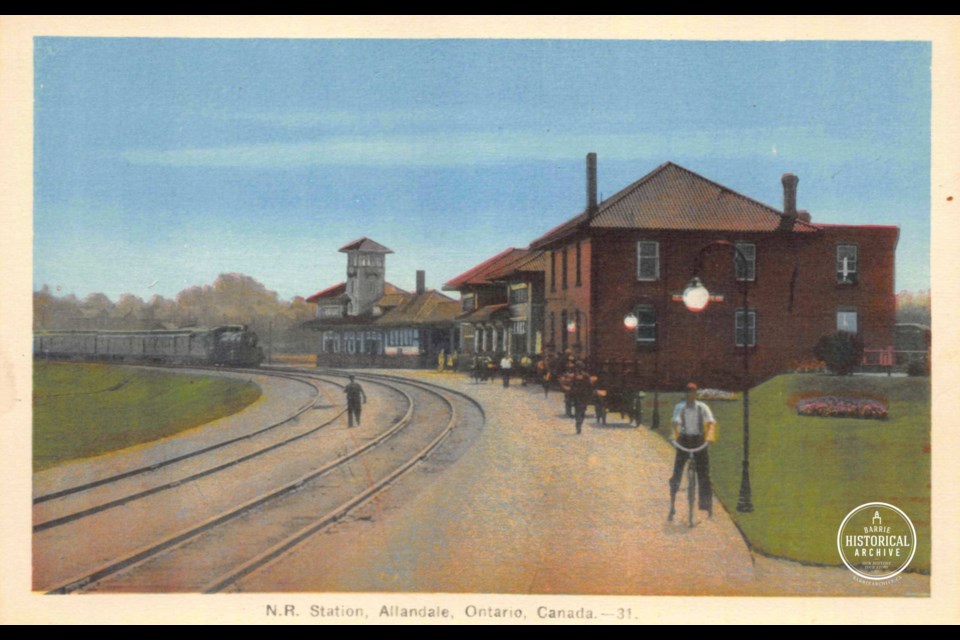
(355, 395)
(545, 373)
(488, 368)
(581, 393)
(565, 379)
(476, 369)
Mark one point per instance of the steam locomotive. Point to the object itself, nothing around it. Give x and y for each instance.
(230, 345)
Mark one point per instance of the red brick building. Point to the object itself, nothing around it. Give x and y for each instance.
(636, 252)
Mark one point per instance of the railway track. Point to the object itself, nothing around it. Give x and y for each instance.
(68, 504)
(141, 469)
(187, 539)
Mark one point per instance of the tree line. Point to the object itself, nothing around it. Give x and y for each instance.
(233, 298)
(914, 306)
(236, 298)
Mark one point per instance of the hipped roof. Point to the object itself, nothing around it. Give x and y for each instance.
(533, 262)
(675, 198)
(504, 262)
(486, 312)
(364, 244)
(338, 290)
(430, 307)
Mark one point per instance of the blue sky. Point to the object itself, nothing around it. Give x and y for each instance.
(161, 163)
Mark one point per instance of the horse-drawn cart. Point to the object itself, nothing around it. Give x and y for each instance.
(627, 402)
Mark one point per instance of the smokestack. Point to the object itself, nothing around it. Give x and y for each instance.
(421, 282)
(789, 195)
(789, 216)
(591, 183)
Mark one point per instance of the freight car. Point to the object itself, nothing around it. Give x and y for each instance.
(232, 345)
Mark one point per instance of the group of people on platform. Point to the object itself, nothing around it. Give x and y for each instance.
(484, 367)
(693, 422)
(566, 373)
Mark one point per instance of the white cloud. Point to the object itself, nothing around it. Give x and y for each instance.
(471, 149)
(332, 119)
(437, 117)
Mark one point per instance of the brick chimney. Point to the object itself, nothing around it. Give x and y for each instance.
(591, 184)
(789, 216)
(421, 282)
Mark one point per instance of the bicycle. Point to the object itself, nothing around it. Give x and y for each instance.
(691, 480)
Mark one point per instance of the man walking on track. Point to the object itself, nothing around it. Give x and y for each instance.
(354, 396)
(693, 424)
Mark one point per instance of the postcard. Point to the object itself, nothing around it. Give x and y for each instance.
(478, 321)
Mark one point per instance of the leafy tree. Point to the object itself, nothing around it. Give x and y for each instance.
(44, 304)
(128, 311)
(160, 311)
(914, 306)
(97, 302)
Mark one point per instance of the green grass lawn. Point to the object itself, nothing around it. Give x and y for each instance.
(83, 410)
(807, 473)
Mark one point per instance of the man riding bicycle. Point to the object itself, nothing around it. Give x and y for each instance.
(693, 424)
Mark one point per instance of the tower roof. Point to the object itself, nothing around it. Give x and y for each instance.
(365, 244)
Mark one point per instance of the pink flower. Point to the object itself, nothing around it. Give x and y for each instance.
(842, 407)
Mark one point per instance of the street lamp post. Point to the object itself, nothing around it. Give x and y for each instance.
(631, 321)
(696, 297)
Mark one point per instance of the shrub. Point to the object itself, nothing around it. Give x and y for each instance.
(842, 352)
(717, 394)
(810, 365)
(917, 368)
(842, 407)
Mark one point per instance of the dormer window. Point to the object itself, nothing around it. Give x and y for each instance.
(331, 311)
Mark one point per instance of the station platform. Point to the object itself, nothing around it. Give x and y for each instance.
(534, 508)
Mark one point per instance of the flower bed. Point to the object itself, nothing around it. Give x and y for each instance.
(842, 407)
(716, 394)
(810, 365)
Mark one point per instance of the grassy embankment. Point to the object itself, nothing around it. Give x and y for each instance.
(807, 473)
(84, 410)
